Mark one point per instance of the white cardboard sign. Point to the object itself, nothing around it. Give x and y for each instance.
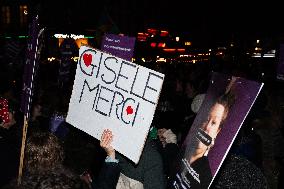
(112, 93)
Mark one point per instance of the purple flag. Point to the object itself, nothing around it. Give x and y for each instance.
(32, 56)
(120, 46)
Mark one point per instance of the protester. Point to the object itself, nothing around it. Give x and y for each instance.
(9, 134)
(50, 180)
(43, 150)
(43, 156)
(147, 174)
(169, 150)
(110, 171)
(8, 105)
(44, 169)
(261, 143)
(38, 118)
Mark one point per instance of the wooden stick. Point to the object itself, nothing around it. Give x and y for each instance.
(25, 127)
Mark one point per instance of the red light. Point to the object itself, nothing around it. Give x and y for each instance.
(164, 33)
(161, 45)
(142, 36)
(152, 31)
(173, 50)
(181, 50)
(153, 45)
(169, 50)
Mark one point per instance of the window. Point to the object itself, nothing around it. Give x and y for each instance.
(23, 14)
(6, 15)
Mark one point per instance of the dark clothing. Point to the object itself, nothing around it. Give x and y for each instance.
(149, 170)
(248, 145)
(10, 153)
(202, 167)
(39, 124)
(169, 154)
(197, 177)
(108, 176)
(236, 172)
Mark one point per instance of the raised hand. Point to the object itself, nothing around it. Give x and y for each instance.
(105, 143)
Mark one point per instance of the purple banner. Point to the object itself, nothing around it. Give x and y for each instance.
(227, 103)
(31, 64)
(280, 66)
(120, 46)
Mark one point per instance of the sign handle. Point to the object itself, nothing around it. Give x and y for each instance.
(25, 127)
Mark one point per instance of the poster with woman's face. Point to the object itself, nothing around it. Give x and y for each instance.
(227, 103)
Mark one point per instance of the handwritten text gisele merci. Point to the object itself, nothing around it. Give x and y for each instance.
(118, 78)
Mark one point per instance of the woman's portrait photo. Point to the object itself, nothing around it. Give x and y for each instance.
(227, 102)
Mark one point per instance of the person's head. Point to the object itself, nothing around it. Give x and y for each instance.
(217, 115)
(36, 111)
(215, 121)
(213, 124)
(43, 152)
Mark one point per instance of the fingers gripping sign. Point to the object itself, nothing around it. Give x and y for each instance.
(106, 141)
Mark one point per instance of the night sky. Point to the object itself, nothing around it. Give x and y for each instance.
(201, 19)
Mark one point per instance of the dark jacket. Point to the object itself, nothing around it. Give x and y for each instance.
(108, 176)
(198, 176)
(10, 153)
(149, 170)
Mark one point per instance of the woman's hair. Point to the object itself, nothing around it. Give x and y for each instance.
(227, 100)
(44, 169)
(43, 152)
(238, 172)
(49, 180)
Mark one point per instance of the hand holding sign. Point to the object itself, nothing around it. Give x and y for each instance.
(115, 94)
(105, 143)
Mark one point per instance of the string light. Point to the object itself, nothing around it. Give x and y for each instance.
(73, 36)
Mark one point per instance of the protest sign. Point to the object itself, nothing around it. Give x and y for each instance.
(112, 93)
(228, 101)
(120, 46)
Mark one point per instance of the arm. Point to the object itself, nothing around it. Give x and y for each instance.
(110, 171)
(170, 149)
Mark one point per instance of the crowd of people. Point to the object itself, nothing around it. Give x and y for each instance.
(58, 155)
